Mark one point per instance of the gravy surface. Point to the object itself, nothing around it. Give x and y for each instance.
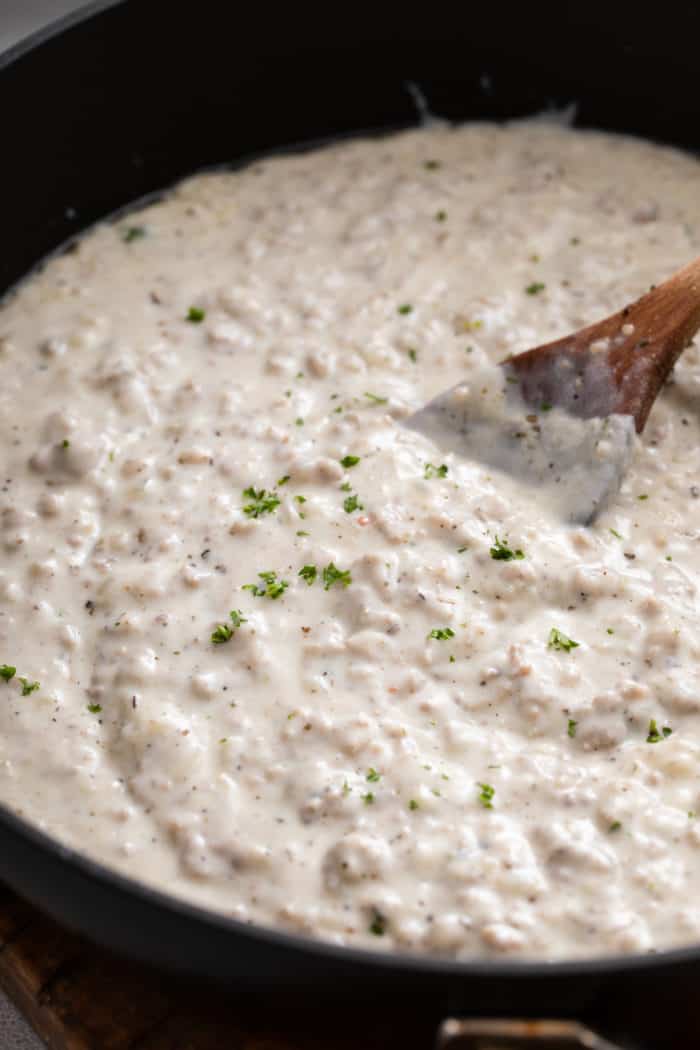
(268, 649)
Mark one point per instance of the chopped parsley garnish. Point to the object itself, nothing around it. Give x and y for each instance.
(28, 687)
(300, 499)
(368, 799)
(432, 165)
(441, 633)
(545, 407)
(133, 233)
(535, 288)
(413, 804)
(195, 314)
(223, 633)
(273, 588)
(261, 502)
(405, 309)
(431, 471)
(644, 495)
(333, 575)
(349, 461)
(654, 736)
(299, 421)
(440, 216)
(559, 641)
(615, 826)
(616, 534)
(302, 533)
(502, 552)
(351, 504)
(413, 354)
(308, 573)
(378, 925)
(283, 480)
(461, 550)
(571, 728)
(375, 399)
(65, 443)
(485, 795)
(610, 630)
(7, 672)
(346, 487)
(94, 709)
(372, 776)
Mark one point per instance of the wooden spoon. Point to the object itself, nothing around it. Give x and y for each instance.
(603, 380)
(616, 366)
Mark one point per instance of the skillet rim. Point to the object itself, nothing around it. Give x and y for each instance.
(111, 880)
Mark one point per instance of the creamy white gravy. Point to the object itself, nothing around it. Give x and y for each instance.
(411, 753)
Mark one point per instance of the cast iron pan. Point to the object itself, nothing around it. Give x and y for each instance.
(125, 98)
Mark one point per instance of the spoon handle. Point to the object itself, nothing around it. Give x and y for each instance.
(665, 321)
(618, 365)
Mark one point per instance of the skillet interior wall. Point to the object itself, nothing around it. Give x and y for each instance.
(94, 121)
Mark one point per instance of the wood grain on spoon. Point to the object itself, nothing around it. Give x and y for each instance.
(617, 365)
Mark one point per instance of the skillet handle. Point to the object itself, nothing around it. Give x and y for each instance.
(488, 1033)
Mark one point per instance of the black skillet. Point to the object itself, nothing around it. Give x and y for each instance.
(122, 100)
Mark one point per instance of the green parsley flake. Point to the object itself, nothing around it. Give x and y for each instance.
(431, 471)
(571, 728)
(28, 687)
(94, 709)
(378, 925)
(615, 826)
(333, 575)
(502, 552)
(273, 588)
(7, 672)
(299, 421)
(133, 233)
(654, 736)
(441, 633)
(223, 633)
(349, 461)
(559, 641)
(195, 314)
(432, 165)
(308, 573)
(346, 487)
(261, 502)
(351, 504)
(65, 443)
(405, 309)
(372, 776)
(485, 795)
(616, 534)
(413, 355)
(283, 480)
(545, 407)
(413, 804)
(368, 799)
(375, 399)
(644, 495)
(535, 288)
(440, 216)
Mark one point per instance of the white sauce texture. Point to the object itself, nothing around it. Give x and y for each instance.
(333, 768)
